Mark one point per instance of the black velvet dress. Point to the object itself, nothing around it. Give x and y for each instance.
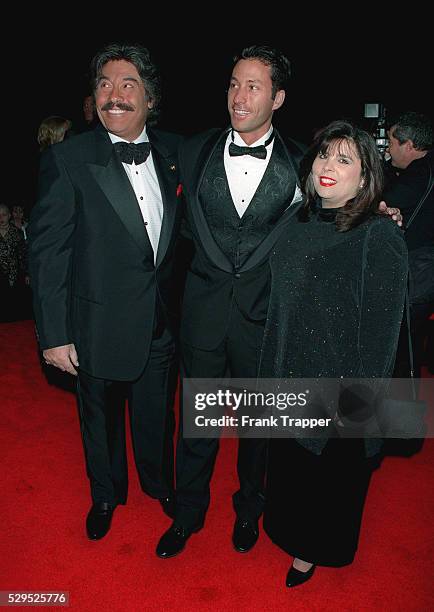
(335, 310)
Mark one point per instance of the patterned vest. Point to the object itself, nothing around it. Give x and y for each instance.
(236, 237)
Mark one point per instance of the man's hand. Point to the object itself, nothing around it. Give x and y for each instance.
(395, 213)
(62, 357)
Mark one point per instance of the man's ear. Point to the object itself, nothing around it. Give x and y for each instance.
(279, 98)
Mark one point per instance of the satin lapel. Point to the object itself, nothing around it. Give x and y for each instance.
(167, 174)
(209, 244)
(267, 244)
(113, 180)
(291, 161)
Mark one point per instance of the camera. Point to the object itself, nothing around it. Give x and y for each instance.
(376, 112)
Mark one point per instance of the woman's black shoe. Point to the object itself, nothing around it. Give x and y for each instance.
(295, 577)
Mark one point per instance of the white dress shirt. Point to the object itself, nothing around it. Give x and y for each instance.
(144, 181)
(244, 172)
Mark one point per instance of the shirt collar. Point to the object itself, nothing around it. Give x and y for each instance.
(240, 142)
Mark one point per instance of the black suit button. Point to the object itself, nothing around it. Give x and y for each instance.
(237, 275)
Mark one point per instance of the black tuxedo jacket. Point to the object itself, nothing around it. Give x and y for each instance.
(404, 189)
(91, 263)
(211, 281)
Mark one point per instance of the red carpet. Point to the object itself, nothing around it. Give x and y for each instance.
(45, 499)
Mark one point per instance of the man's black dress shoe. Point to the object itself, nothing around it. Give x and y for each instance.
(295, 577)
(99, 520)
(168, 505)
(245, 535)
(173, 541)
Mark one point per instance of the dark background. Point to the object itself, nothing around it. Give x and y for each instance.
(333, 77)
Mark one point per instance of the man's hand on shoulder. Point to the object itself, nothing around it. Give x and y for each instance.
(395, 213)
(62, 357)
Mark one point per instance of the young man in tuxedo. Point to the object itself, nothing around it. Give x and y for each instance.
(101, 252)
(241, 190)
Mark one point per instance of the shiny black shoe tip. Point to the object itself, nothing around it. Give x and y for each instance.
(245, 535)
(98, 520)
(173, 541)
(295, 577)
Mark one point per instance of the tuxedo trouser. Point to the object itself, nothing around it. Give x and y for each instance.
(102, 415)
(237, 355)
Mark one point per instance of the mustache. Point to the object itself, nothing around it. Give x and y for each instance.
(120, 105)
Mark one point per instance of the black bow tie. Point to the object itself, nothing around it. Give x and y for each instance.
(260, 151)
(130, 152)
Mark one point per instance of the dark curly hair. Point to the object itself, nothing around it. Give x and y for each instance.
(138, 56)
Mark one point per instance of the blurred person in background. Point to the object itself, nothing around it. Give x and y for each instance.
(14, 281)
(52, 130)
(89, 113)
(18, 219)
(410, 177)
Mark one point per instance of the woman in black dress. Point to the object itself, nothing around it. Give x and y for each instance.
(338, 285)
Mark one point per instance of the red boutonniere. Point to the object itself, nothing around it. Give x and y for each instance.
(179, 190)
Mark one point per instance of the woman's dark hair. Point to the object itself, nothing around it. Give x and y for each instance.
(138, 56)
(279, 64)
(366, 201)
